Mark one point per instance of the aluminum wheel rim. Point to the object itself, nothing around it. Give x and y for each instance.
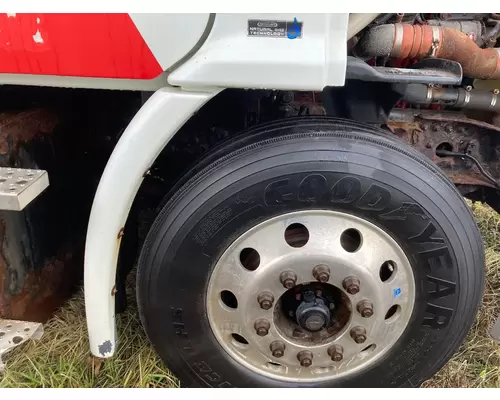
(324, 247)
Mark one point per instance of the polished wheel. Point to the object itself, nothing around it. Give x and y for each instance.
(315, 321)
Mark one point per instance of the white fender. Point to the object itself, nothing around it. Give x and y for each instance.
(145, 137)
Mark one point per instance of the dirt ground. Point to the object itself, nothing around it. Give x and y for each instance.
(61, 358)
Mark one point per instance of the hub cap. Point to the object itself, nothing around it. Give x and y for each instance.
(310, 296)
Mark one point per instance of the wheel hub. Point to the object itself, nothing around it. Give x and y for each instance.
(315, 295)
(312, 314)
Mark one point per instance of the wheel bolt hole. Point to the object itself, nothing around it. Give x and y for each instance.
(250, 259)
(392, 312)
(239, 339)
(296, 235)
(350, 240)
(229, 299)
(276, 367)
(369, 348)
(387, 270)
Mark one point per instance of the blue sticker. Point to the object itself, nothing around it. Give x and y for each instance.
(294, 30)
(396, 292)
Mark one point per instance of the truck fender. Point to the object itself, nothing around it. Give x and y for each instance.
(161, 116)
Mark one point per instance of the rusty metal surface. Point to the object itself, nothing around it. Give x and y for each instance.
(426, 131)
(476, 62)
(19, 127)
(35, 274)
(456, 117)
(416, 41)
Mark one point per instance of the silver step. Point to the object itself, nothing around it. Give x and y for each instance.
(495, 330)
(19, 187)
(13, 333)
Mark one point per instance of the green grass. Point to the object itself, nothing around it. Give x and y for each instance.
(477, 362)
(61, 358)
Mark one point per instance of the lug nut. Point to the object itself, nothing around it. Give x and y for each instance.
(265, 300)
(305, 358)
(288, 279)
(277, 348)
(321, 273)
(351, 284)
(365, 308)
(262, 327)
(336, 352)
(358, 333)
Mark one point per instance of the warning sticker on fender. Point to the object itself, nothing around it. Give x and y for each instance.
(275, 29)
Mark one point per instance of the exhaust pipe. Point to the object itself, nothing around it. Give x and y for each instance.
(422, 41)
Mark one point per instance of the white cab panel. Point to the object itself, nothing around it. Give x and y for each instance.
(231, 58)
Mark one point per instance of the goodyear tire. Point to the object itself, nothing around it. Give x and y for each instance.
(310, 166)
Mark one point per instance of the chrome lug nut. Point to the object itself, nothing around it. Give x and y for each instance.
(266, 300)
(305, 358)
(277, 348)
(358, 334)
(262, 327)
(336, 352)
(351, 284)
(321, 273)
(365, 308)
(288, 279)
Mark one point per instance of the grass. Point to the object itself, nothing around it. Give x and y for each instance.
(61, 358)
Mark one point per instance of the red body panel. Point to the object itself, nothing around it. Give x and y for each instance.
(84, 45)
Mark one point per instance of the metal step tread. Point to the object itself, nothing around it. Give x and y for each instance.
(19, 187)
(13, 333)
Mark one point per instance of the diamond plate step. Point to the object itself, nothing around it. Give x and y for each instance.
(13, 333)
(19, 187)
